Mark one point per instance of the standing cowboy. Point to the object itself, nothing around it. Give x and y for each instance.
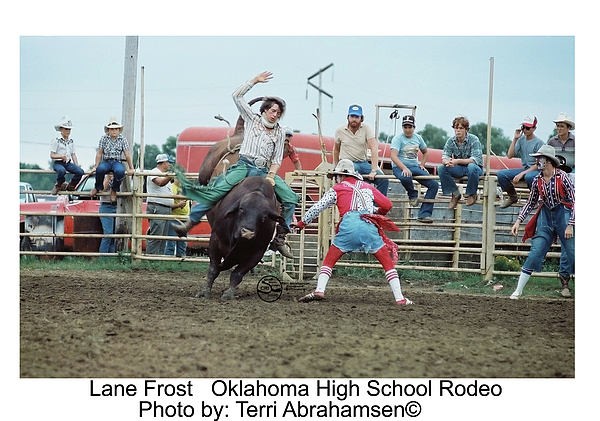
(554, 218)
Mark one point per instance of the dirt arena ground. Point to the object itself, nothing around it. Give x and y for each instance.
(148, 324)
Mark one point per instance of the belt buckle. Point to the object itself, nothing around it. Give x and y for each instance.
(260, 162)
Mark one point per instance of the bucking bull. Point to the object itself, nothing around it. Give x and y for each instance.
(243, 222)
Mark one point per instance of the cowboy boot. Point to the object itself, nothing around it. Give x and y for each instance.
(71, 186)
(56, 189)
(565, 291)
(513, 197)
(182, 228)
(278, 243)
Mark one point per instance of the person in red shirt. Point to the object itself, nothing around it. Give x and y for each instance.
(361, 227)
(289, 151)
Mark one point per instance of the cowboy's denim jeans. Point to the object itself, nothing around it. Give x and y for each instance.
(107, 245)
(505, 177)
(364, 168)
(61, 170)
(407, 182)
(551, 223)
(118, 174)
(448, 174)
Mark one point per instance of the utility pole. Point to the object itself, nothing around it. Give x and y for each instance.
(125, 204)
(318, 88)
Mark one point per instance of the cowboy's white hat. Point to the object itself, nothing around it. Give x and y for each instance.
(112, 124)
(564, 118)
(345, 167)
(64, 122)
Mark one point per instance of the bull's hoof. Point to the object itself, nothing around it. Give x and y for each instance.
(203, 293)
(228, 294)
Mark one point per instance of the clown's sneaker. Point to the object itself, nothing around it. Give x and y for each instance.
(313, 296)
(404, 302)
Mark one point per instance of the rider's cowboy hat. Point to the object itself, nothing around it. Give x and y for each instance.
(564, 118)
(64, 123)
(345, 167)
(113, 124)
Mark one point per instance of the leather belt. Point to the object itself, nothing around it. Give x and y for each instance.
(257, 162)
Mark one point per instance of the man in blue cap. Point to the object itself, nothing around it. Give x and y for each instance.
(352, 141)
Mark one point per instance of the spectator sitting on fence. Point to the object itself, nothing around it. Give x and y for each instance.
(62, 152)
(405, 164)
(462, 156)
(352, 140)
(108, 158)
(359, 228)
(564, 142)
(524, 144)
(555, 218)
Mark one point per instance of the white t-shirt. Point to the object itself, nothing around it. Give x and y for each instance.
(154, 188)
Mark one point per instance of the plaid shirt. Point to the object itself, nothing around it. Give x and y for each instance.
(470, 149)
(112, 149)
(258, 142)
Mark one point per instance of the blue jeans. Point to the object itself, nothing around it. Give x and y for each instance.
(284, 193)
(551, 223)
(176, 248)
(61, 170)
(118, 174)
(505, 177)
(107, 245)
(448, 174)
(407, 182)
(364, 168)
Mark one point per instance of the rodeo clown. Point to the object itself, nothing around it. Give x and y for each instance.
(554, 218)
(361, 208)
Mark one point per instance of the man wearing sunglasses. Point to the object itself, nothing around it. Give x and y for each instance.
(524, 143)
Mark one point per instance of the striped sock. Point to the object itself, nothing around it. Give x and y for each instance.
(394, 281)
(323, 278)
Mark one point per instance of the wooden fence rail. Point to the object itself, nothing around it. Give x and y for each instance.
(463, 240)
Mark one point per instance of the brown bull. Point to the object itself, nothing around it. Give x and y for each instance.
(242, 226)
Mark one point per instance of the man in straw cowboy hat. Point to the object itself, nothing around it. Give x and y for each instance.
(360, 229)
(564, 141)
(554, 218)
(62, 152)
(261, 153)
(108, 158)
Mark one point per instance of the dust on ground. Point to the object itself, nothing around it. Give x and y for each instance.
(146, 324)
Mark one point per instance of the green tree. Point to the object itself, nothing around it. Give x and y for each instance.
(170, 146)
(37, 181)
(434, 137)
(499, 142)
(150, 152)
(554, 133)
